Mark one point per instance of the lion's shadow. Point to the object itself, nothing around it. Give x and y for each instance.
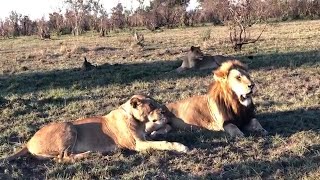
(279, 60)
(286, 123)
(126, 73)
(265, 169)
(116, 165)
(282, 123)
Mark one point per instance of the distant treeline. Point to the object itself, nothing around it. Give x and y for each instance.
(90, 15)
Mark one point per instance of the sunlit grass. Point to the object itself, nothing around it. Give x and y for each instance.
(41, 82)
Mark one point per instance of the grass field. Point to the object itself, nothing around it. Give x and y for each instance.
(41, 82)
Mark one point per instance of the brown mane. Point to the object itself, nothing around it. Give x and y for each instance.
(225, 98)
(226, 106)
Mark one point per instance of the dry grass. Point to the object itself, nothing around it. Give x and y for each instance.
(40, 82)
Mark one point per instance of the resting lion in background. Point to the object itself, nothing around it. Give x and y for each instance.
(195, 59)
(121, 128)
(227, 106)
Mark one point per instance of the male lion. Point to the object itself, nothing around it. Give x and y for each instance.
(195, 59)
(227, 106)
(121, 128)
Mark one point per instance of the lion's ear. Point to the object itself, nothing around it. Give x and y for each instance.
(219, 75)
(134, 102)
(192, 48)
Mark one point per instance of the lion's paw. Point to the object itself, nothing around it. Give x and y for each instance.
(263, 132)
(236, 134)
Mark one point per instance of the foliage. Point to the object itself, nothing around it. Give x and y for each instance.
(88, 15)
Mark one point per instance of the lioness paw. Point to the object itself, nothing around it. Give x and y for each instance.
(153, 135)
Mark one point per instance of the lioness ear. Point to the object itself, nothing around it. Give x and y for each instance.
(134, 102)
(192, 48)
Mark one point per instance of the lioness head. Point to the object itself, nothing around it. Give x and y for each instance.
(195, 53)
(156, 119)
(143, 108)
(236, 76)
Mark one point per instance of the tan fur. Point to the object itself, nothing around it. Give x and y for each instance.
(121, 128)
(195, 59)
(227, 106)
(160, 125)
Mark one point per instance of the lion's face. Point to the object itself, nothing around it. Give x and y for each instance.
(156, 120)
(195, 53)
(240, 83)
(234, 75)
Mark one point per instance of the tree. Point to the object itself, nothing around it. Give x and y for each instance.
(5, 28)
(240, 23)
(79, 8)
(214, 11)
(43, 29)
(168, 13)
(56, 23)
(14, 18)
(26, 26)
(100, 17)
(117, 17)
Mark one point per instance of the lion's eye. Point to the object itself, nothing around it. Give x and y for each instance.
(154, 120)
(238, 78)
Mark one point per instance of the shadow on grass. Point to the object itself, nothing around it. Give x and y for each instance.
(127, 73)
(286, 60)
(117, 165)
(126, 163)
(25, 168)
(284, 167)
(287, 123)
(101, 76)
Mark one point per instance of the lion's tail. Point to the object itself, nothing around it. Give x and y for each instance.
(17, 154)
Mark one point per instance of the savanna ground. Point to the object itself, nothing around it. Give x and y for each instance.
(40, 82)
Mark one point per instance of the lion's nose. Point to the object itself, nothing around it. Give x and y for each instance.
(251, 86)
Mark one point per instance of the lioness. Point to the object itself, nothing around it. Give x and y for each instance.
(227, 106)
(121, 128)
(197, 60)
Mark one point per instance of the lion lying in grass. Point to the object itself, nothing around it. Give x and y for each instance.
(121, 128)
(195, 59)
(228, 106)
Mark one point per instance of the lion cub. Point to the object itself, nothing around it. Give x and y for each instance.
(121, 128)
(195, 59)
